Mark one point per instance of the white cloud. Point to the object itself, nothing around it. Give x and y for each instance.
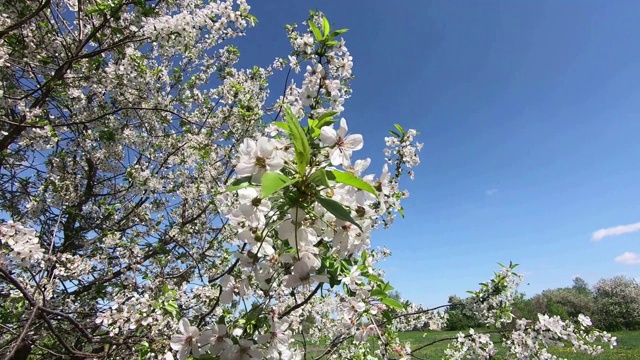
(491, 191)
(616, 230)
(628, 258)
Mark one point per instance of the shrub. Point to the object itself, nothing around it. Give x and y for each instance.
(617, 304)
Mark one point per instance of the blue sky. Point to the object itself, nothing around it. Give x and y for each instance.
(530, 115)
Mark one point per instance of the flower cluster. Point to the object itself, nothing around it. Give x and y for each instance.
(471, 346)
(20, 245)
(533, 342)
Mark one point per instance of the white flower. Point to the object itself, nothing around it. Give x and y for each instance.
(584, 320)
(353, 279)
(278, 337)
(216, 339)
(295, 65)
(306, 254)
(342, 145)
(364, 332)
(187, 342)
(251, 209)
(360, 166)
(242, 351)
(302, 275)
(348, 237)
(256, 158)
(23, 242)
(293, 231)
(231, 288)
(383, 183)
(352, 308)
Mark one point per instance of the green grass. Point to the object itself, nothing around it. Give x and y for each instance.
(628, 346)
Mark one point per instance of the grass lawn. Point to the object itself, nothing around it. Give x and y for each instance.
(628, 346)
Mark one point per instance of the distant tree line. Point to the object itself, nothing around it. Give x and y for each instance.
(612, 304)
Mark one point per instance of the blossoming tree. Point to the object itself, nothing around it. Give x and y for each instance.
(157, 205)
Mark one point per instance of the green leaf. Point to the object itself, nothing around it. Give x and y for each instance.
(327, 114)
(325, 122)
(272, 182)
(240, 183)
(318, 124)
(171, 307)
(393, 303)
(252, 18)
(338, 32)
(394, 133)
(299, 138)
(374, 278)
(399, 128)
(401, 211)
(319, 178)
(316, 31)
(386, 315)
(348, 178)
(379, 293)
(326, 28)
(281, 125)
(337, 210)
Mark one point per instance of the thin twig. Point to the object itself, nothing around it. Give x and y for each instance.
(23, 334)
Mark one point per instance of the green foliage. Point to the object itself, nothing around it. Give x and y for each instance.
(580, 286)
(337, 210)
(459, 315)
(239, 183)
(325, 36)
(299, 139)
(617, 304)
(523, 308)
(567, 303)
(273, 181)
(613, 304)
(351, 180)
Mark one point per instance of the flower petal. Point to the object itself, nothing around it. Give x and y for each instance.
(184, 326)
(206, 337)
(221, 330)
(353, 142)
(247, 148)
(183, 354)
(328, 136)
(245, 168)
(196, 351)
(342, 131)
(177, 341)
(264, 147)
(336, 157)
(274, 163)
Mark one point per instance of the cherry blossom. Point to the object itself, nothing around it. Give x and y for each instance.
(216, 339)
(301, 275)
(342, 144)
(244, 350)
(258, 157)
(187, 342)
